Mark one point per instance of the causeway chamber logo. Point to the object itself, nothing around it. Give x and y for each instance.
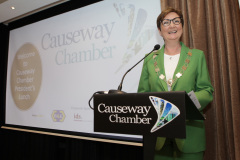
(166, 113)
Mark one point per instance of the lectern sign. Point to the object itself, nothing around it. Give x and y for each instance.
(115, 112)
(166, 112)
(160, 114)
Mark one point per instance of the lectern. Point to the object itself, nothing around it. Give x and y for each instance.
(152, 114)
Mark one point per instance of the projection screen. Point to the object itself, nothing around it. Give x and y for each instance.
(55, 65)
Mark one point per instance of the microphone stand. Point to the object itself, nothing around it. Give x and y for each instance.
(119, 90)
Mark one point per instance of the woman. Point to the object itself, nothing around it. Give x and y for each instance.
(175, 67)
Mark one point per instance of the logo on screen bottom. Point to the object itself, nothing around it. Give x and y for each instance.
(58, 115)
(166, 112)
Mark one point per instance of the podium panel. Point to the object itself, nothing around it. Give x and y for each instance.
(159, 114)
(153, 114)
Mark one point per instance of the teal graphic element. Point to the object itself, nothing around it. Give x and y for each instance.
(166, 112)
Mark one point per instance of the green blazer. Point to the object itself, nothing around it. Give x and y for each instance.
(194, 76)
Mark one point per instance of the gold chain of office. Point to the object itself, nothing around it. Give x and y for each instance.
(178, 75)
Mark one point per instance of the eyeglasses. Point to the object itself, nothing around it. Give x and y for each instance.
(167, 22)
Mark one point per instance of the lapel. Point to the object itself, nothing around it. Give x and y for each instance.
(160, 61)
(181, 62)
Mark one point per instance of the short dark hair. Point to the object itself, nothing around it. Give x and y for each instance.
(165, 12)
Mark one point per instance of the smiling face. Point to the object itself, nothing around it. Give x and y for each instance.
(173, 32)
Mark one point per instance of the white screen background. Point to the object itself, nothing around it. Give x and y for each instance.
(127, 28)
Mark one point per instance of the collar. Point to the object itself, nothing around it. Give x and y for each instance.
(179, 69)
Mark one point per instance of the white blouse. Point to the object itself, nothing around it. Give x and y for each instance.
(170, 64)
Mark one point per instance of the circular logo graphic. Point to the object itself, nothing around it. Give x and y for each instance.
(26, 76)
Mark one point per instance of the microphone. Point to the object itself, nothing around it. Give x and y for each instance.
(119, 90)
